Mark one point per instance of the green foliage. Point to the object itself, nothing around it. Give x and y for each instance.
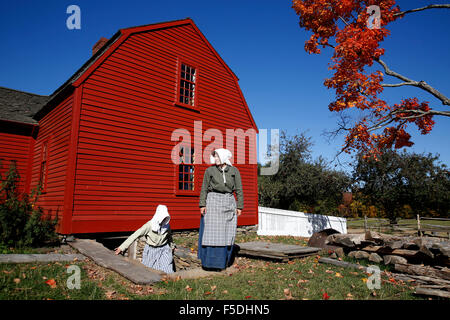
(22, 223)
(403, 184)
(302, 183)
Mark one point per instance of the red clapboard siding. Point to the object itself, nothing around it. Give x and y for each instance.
(54, 128)
(15, 148)
(123, 167)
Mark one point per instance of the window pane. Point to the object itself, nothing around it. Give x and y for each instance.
(183, 67)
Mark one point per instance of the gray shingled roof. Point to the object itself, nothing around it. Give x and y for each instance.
(20, 106)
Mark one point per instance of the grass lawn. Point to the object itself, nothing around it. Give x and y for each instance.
(257, 279)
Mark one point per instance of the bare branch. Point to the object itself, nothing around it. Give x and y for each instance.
(420, 84)
(431, 6)
(388, 85)
(346, 23)
(421, 113)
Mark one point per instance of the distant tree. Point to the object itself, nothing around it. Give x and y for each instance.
(301, 183)
(354, 30)
(399, 180)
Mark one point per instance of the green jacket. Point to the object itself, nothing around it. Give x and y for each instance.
(213, 181)
(151, 238)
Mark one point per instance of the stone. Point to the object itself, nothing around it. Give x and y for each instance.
(374, 257)
(390, 259)
(352, 254)
(340, 252)
(361, 255)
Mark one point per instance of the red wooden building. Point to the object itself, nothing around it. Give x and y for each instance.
(101, 144)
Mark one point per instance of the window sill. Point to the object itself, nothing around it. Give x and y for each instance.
(186, 106)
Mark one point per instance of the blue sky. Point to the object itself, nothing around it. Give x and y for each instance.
(260, 41)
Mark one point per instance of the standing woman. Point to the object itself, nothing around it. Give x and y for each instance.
(219, 211)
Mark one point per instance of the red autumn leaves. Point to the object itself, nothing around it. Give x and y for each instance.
(356, 47)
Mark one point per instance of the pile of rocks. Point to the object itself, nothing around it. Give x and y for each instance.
(378, 247)
(421, 260)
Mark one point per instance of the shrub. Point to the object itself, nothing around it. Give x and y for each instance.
(22, 223)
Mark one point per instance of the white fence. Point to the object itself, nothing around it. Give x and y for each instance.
(278, 222)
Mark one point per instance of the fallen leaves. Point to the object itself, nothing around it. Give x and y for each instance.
(301, 281)
(51, 283)
(338, 275)
(325, 296)
(188, 289)
(287, 294)
(16, 280)
(110, 294)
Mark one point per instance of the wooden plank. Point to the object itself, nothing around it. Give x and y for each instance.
(39, 257)
(277, 248)
(433, 292)
(137, 273)
(278, 251)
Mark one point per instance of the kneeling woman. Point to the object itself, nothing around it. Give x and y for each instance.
(219, 211)
(158, 249)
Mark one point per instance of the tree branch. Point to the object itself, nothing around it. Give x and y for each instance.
(420, 84)
(421, 113)
(431, 6)
(388, 85)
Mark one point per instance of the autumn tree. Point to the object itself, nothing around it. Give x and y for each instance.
(354, 29)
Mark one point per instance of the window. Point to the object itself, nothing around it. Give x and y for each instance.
(44, 167)
(187, 85)
(186, 169)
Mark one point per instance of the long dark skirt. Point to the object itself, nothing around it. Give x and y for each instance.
(213, 257)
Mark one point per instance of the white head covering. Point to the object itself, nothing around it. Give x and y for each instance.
(160, 220)
(224, 156)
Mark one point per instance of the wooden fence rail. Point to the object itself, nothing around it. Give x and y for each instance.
(419, 227)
